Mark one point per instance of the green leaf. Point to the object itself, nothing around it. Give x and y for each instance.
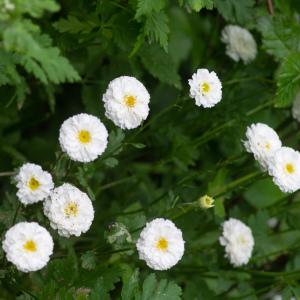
(36, 8)
(146, 7)
(280, 35)
(138, 145)
(131, 286)
(160, 65)
(157, 28)
(88, 260)
(37, 56)
(288, 82)
(160, 290)
(111, 162)
(115, 140)
(100, 291)
(73, 25)
(235, 11)
(197, 5)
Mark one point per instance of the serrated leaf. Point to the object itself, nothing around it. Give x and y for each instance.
(288, 82)
(100, 291)
(73, 25)
(197, 5)
(280, 35)
(160, 290)
(157, 28)
(235, 11)
(160, 65)
(146, 7)
(37, 56)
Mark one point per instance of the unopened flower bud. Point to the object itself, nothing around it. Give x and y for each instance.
(206, 202)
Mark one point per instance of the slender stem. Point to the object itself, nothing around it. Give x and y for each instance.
(16, 213)
(11, 173)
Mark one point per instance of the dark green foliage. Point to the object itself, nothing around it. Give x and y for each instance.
(56, 60)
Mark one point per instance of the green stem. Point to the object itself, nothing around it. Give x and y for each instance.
(3, 174)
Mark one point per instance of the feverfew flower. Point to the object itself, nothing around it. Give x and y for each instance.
(296, 107)
(160, 244)
(69, 210)
(240, 43)
(238, 242)
(33, 183)
(206, 202)
(263, 142)
(83, 137)
(28, 246)
(285, 169)
(205, 88)
(126, 102)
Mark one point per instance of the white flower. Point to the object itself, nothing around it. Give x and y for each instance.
(205, 88)
(69, 210)
(8, 6)
(28, 246)
(160, 244)
(263, 142)
(238, 242)
(285, 169)
(272, 222)
(33, 184)
(126, 102)
(296, 107)
(83, 137)
(240, 43)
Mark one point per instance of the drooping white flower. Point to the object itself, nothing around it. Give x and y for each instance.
(83, 137)
(69, 210)
(33, 183)
(126, 102)
(160, 244)
(205, 88)
(296, 107)
(238, 242)
(285, 169)
(263, 142)
(28, 246)
(240, 43)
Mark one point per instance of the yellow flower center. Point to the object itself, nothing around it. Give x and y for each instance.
(162, 244)
(84, 136)
(205, 87)
(242, 240)
(33, 184)
(71, 209)
(268, 146)
(30, 246)
(290, 168)
(130, 101)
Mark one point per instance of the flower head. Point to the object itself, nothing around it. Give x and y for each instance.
(240, 43)
(238, 242)
(206, 202)
(126, 102)
(205, 88)
(83, 137)
(160, 244)
(263, 142)
(28, 246)
(69, 210)
(285, 169)
(33, 183)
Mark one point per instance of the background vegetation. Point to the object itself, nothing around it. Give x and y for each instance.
(56, 60)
